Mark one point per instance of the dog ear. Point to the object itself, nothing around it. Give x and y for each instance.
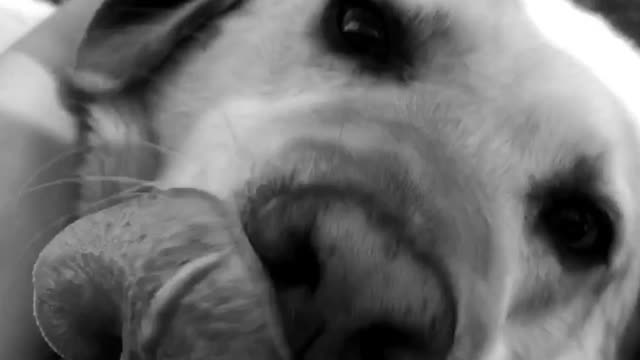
(127, 39)
(168, 272)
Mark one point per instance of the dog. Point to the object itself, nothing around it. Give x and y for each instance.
(421, 179)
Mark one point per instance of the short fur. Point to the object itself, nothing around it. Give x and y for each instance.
(226, 97)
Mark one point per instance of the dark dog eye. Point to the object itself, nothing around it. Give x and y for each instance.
(362, 26)
(578, 228)
(376, 35)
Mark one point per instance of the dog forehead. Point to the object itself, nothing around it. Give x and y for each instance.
(523, 102)
(559, 101)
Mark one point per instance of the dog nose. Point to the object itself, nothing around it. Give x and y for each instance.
(350, 282)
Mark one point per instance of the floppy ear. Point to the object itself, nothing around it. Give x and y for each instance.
(127, 39)
(167, 275)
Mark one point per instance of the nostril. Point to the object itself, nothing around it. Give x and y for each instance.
(281, 234)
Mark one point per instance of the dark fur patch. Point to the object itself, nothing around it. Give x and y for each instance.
(129, 39)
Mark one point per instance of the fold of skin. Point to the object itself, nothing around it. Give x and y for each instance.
(171, 273)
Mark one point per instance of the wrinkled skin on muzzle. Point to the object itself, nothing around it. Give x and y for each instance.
(166, 275)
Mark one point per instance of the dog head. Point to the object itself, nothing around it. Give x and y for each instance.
(421, 179)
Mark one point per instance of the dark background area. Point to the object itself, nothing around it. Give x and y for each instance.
(623, 14)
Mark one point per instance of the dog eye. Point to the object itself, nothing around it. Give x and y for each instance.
(579, 229)
(363, 27)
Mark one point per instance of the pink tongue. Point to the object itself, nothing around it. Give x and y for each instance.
(170, 271)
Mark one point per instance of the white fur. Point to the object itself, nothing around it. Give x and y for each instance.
(215, 156)
(218, 148)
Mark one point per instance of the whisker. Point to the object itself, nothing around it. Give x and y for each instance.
(46, 166)
(124, 194)
(34, 176)
(23, 253)
(162, 149)
(68, 217)
(119, 179)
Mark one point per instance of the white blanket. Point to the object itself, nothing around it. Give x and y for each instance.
(17, 17)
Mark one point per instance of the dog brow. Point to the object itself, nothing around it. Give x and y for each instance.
(583, 174)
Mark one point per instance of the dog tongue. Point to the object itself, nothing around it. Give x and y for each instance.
(170, 272)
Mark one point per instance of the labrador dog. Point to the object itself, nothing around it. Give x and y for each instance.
(421, 179)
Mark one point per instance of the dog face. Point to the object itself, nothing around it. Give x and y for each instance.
(422, 179)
